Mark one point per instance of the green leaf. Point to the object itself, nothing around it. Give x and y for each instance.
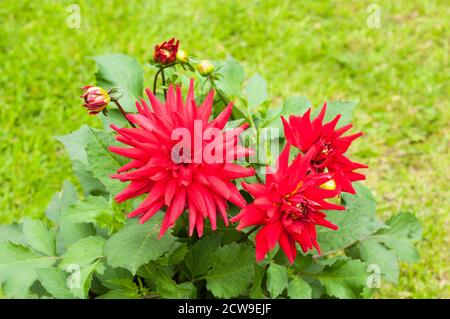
(387, 246)
(256, 291)
(124, 73)
(404, 230)
(175, 255)
(17, 259)
(61, 201)
(356, 222)
(89, 210)
(119, 294)
(166, 287)
(84, 252)
(75, 144)
(299, 289)
(136, 244)
(345, 108)
(198, 257)
(116, 278)
(374, 252)
(39, 236)
(102, 162)
(232, 77)
(82, 278)
(67, 232)
(294, 105)
(55, 282)
(277, 279)
(232, 270)
(256, 91)
(344, 278)
(12, 233)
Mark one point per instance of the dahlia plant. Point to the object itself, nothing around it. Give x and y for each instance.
(197, 187)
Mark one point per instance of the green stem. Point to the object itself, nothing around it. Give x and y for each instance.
(155, 80)
(164, 83)
(123, 112)
(245, 236)
(219, 93)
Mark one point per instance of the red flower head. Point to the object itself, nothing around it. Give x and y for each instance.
(288, 206)
(95, 99)
(173, 175)
(329, 144)
(166, 52)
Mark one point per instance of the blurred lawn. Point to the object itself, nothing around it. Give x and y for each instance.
(400, 74)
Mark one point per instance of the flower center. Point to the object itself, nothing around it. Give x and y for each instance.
(325, 152)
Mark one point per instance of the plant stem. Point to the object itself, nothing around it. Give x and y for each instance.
(156, 80)
(219, 93)
(164, 83)
(245, 236)
(123, 112)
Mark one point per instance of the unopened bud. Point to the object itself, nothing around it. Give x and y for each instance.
(205, 68)
(182, 56)
(95, 99)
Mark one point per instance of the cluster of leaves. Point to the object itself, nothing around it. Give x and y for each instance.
(88, 249)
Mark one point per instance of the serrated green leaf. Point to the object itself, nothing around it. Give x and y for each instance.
(404, 230)
(55, 282)
(256, 291)
(82, 278)
(299, 289)
(89, 210)
(136, 244)
(116, 278)
(12, 233)
(356, 222)
(17, 259)
(124, 73)
(75, 144)
(232, 77)
(277, 279)
(102, 162)
(294, 105)
(375, 253)
(256, 91)
(232, 270)
(175, 255)
(67, 232)
(166, 287)
(198, 257)
(61, 201)
(344, 278)
(39, 236)
(84, 252)
(345, 108)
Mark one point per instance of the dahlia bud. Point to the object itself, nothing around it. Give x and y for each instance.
(166, 52)
(182, 56)
(95, 99)
(330, 185)
(205, 68)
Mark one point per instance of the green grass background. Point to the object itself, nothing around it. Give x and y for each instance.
(324, 50)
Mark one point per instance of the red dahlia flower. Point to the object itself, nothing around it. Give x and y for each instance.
(329, 144)
(288, 206)
(166, 52)
(95, 99)
(178, 177)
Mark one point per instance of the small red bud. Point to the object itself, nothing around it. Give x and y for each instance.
(95, 99)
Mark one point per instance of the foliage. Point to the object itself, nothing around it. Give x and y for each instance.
(88, 249)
